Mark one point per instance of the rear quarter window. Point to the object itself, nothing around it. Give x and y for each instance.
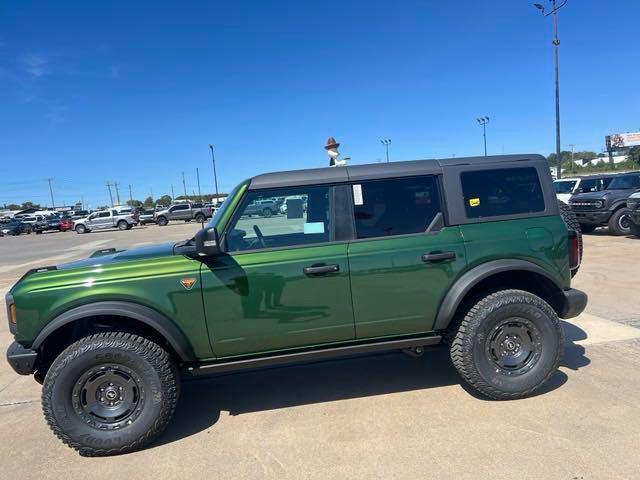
(502, 192)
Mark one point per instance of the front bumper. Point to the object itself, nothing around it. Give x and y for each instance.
(575, 301)
(21, 359)
(592, 218)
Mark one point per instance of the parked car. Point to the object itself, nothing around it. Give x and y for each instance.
(14, 227)
(183, 211)
(473, 253)
(607, 207)
(104, 220)
(66, 224)
(78, 214)
(633, 204)
(265, 208)
(567, 187)
(53, 223)
(146, 216)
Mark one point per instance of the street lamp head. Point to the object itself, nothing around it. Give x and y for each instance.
(539, 7)
(211, 146)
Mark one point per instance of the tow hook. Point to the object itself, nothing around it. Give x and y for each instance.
(414, 352)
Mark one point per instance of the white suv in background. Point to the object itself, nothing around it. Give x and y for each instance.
(566, 187)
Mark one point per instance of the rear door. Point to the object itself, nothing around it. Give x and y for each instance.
(404, 258)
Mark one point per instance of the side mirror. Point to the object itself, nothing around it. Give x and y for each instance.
(207, 242)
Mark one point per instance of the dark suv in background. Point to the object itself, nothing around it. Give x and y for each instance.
(607, 207)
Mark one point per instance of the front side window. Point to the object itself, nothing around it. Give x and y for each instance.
(279, 218)
(396, 206)
(506, 191)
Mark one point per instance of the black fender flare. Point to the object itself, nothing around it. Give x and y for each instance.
(135, 311)
(471, 278)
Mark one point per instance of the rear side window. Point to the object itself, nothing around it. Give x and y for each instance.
(397, 206)
(507, 191)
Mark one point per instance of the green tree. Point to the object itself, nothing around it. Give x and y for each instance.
(134, 203)
(164, 200)
(148, 202)
(634, 156)
(12, 206)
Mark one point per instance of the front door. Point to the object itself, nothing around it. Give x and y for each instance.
(284, 281)
(100, 220)
(404, 258)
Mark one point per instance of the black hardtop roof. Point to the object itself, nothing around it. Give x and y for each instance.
(315, 176)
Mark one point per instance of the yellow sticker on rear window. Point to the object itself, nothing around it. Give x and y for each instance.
(474, 202)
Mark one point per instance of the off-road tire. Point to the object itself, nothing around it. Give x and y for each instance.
(587, 228)
(150, 367)
(471, 355)
(571, 221)
(162, 221)
(123, 225)
(80, 229)
(616, 220)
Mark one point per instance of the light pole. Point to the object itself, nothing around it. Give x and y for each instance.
(386, 142)
(483, 121)
(215, 176)
(556, 44)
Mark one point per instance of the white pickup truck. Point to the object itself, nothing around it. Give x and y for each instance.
(103, 220)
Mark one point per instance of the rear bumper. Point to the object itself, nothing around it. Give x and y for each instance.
(21, 359)
(593, 218)
(575, 301)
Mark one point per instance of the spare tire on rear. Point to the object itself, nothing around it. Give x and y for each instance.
(571, 221)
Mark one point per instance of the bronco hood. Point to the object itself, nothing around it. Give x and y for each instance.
(103, 257)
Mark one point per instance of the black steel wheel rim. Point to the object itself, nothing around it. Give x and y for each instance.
(108, 397)
(514, 346)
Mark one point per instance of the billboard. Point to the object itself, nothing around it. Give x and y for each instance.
(622, 140)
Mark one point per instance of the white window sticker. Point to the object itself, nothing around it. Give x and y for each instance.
(357, 195)
(313, 227)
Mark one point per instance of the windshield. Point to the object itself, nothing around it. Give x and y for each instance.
(564, 186)
(625, 183)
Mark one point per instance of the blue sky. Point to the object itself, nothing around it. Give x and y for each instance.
(133, 92)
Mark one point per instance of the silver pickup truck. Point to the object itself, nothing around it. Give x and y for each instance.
(103, 220)
(183, 211)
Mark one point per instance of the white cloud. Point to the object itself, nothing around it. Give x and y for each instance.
(36, 64)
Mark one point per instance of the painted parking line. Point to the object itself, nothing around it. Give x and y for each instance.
(601, 330)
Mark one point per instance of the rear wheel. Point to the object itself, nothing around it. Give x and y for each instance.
(81, 229)
(110, 393)
(508, 344)
(162, 221)
(200, 218)
(123, 225)
(267, 212)
(619, 222)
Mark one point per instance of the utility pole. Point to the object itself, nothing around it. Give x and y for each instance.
(184, 186)
(110, 195)
(117, 192)
(215, 176)
(53, 204)
(130, 196)
(198, 176)
(556, 44)
(573, 146)
(386, 142)
(173, 195)
(483, 121)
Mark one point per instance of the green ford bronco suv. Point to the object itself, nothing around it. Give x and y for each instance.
(472, 253)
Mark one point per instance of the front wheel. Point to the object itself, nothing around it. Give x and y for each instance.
(110, 393)
(508, 344)
(162, 221)
(81, 229)
(200, 218)
(267, 212)
(619, 222)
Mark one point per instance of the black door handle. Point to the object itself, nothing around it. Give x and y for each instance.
(438, 257)
(321, 269)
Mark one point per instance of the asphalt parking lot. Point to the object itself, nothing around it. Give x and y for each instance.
(385, 416)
